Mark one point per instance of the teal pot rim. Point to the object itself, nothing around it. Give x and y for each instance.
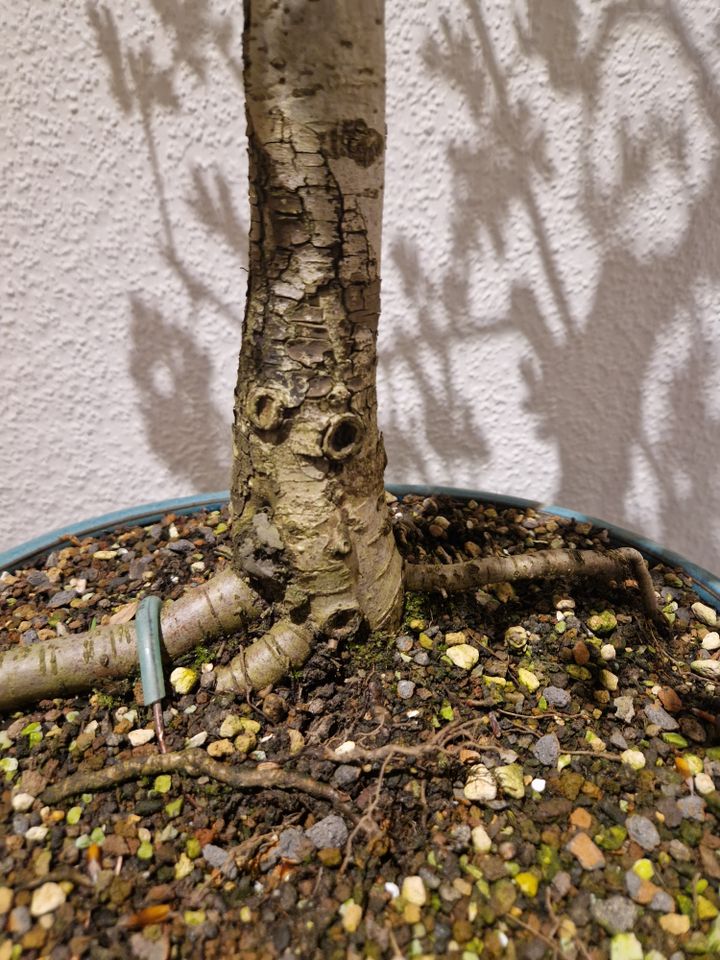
(706, 584)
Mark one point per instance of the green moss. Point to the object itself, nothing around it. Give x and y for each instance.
(375, 651)
(201, 655)
(416, 607)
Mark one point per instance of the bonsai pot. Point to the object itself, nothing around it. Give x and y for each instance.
(705, 584)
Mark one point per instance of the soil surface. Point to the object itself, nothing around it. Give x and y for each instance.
(524, 772)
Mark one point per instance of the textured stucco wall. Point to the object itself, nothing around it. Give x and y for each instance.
(551, 271)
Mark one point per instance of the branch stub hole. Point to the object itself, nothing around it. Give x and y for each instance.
(343, 437)
(264, 410)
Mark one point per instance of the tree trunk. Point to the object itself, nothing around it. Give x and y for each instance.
(310, 522)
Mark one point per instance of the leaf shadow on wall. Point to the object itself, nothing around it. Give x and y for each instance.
(172, 370)
(615, 385)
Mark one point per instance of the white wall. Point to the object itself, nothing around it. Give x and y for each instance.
(551, 271)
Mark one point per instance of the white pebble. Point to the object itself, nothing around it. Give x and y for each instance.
(392, 888)
(36, 834)
(711, 641)
(345, 748)
(139, 737)
(47, 898)
(608, 651)
(22, 802)
(480, 784)
(481, 839)
(538, 784)
(704, 783)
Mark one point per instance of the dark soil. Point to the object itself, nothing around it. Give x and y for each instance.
(558, 796)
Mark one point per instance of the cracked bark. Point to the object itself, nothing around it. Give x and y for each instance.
(310, 522)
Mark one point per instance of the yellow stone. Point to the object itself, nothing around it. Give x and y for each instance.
(183, 867)
(411, 913)
(351, 914)
(644, 869)
(528, 883)
(706, 910)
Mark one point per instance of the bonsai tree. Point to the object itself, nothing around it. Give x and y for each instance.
(314, 555)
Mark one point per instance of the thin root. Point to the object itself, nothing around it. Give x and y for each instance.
(195, 763)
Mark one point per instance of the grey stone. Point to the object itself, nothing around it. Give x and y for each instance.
(556, 696)
(679, 851)
(404, 643)
(616, 914)
(181, 546)
(662, 902)
(215, 856)
(660, 717)
(292, 845)
(19, 921)
(328, 832)
(546, 750)
(692, 807)
(643, 831)
(20, 824)
(668, 807)
(405, 689)
(61, 598)
(345, 774)
(421, 658)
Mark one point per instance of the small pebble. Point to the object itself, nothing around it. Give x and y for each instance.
(546, 750)
(634, 759)
(22, 802)
(616, 914)
(705, 614)
(608, 652)
(660, 717)
(405, 689)
(624, 708)
(480, 784)
(183, 679)
(556, 697)
(463, 655)
(481, 839)
(47, 898)
(643, 831)
(710, 669)
(140, 737)
(331, 831)
(625, 946)
(711, 641)
(413, 891)
(704, 783)
(588, 855)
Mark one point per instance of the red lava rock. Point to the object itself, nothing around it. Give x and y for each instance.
(581, 654)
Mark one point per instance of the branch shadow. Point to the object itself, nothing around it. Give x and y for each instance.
(173, 372)
(595, 375)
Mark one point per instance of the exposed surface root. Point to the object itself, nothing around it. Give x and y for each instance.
(76, 663)
(194, 763)
(541, 565)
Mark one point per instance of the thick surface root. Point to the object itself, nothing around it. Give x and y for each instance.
(79, 662)
(542, 565)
